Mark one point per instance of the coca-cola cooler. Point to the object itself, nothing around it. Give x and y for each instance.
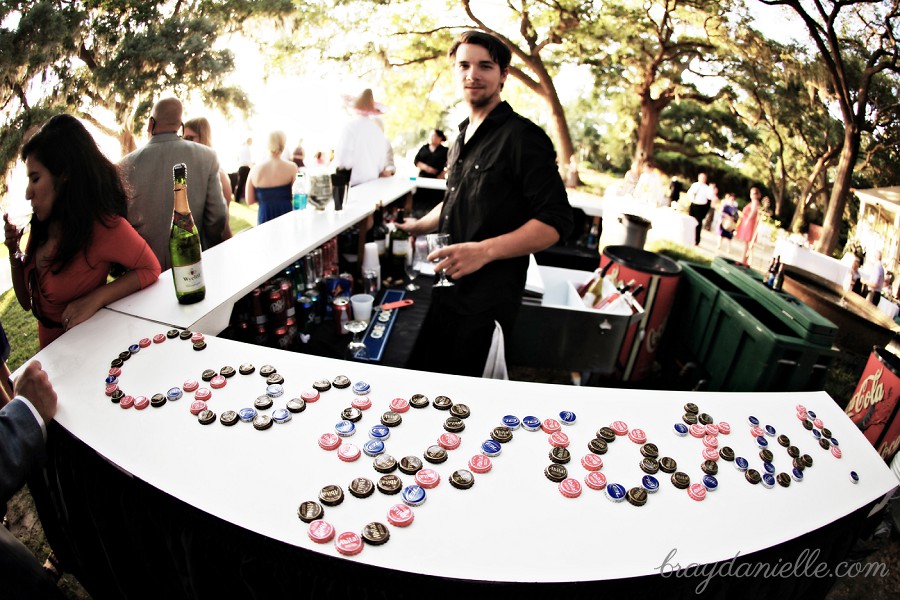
(876, 401)
(659, 275)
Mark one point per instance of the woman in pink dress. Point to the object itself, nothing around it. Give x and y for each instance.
(746, 229)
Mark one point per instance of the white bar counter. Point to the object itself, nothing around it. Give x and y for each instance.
(257, 479)
(235, 267)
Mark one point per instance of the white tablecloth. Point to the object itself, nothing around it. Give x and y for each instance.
(666, 223)
(888, 308)
(825, 267)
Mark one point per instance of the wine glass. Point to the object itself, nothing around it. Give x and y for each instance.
(436, 241)
(19, 213)
(356, 349)
(412, 265)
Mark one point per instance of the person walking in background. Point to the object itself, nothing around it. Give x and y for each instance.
(431, 160)
(700, 195)
(748, 226)
(148, 173)
(245, 162)
(875, 280)
(23, 433)
(362, 146)
(297, 156)
(269, 182)
(712, 214)
(78, 232)
(495, 217)
(198, 130)
(727, 220)
(675, 189)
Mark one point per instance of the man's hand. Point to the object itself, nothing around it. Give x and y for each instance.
(34, 384)
(460, 260)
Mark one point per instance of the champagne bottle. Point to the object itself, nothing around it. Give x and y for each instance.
(184, 244)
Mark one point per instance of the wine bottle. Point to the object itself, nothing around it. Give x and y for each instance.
(607, 300)
(379, 232)
(399, 247)
(184, 244)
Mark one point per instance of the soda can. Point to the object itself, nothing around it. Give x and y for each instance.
(330, 291)
(306, 316)
(287, 291)
(258, 310)
(293, 331)
(261, 337)
(318, 310)
(341, 314)
(346, 283)
(281, 339)
(276, 308)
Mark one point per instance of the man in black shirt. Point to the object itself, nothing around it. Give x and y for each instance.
(431, 160)
(505, 200)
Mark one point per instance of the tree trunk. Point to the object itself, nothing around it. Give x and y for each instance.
(650, 110)
(126, 141)
(834, 216)
(561, 126)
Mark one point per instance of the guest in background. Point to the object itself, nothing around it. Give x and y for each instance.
(78, 232)
(728, 220)
(198, 130)
(269, 182)
(875, 280)
(748, 226)
(362, 146)
(431, 160)
(675, 189)
(700, 195)
(713, 213)
(298, 155)
(245, 162)
(148, 174)
(852, 280)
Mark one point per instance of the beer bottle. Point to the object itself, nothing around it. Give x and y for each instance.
(399, 248)
(184, 244)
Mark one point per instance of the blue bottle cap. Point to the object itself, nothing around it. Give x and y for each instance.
(650, 483)
(710, 483)
(380, 432)
(360, 388)
(247, 414)
(567, 417)
(615, 492)
(753, 420)
(816, 433)
(762, 442)
(281, 415)
(854, 477)
(491, 448)
(111, 380)
(769, 468)
(134, 348)
(797, 474)
(770, 431)
(531, 423)
(511, 421)
(680, 429)
(740, 463)
(811, 414)
(413, 495)
(173, 394)
(275, 390)
(345, 428)
(768, 480)
(373, 447)
(834, 442)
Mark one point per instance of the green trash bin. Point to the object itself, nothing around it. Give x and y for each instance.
(799, 318)
(697, 295)
(747, 348)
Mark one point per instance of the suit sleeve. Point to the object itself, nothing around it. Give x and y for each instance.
(216, 214)
(21, 447)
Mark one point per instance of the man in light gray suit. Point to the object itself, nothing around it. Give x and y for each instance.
(22, 434)
(148, 171)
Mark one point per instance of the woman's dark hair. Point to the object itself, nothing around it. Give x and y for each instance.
(88, 186)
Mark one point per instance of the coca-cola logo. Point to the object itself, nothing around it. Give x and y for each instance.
(869, 393)
(654, 336)
(888, 449)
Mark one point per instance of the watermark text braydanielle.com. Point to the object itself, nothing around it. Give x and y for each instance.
(807, 564)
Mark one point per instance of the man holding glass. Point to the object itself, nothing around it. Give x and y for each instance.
(505, 200)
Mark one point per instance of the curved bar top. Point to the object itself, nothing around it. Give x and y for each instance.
(256, 479)
(235, 267)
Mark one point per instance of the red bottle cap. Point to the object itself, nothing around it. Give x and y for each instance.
(757, 431)
(449, 441)
(320, 532)
(197, 337)
(144, 343)
(637, 436)
(110, 388)
(159, 338)
(329, 441)
(550, 425)
(711, 441)
(141, 402)
(818, 423)
(595, 480)
(710, 454)
(115, 371)
(724, 428)
(203, 394)
(592, 462)
(712, 429)
(480, 463)
(400, 515)
(399, 405)
(197, 407)
(836, 452)
(348, 543)
(190, 385)
(697, 491)
(570, 488)
(126, 401)
(361, 402)
(697, 430)
(558, 439)
(348, 452)
(427, 478)
(619, 427)
(217, 382)
(309, 396)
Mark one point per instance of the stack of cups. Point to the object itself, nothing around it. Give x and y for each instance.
(371, 265)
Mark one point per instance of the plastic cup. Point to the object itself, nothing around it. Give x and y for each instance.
(362, 306)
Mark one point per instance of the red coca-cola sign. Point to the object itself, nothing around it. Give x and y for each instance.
(874, 404)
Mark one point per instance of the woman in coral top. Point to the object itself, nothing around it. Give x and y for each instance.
(747, 226)
(78, 232)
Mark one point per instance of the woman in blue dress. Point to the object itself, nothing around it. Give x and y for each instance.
(269, 182)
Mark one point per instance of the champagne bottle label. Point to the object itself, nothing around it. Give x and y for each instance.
(185, 222)
(188, 278)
